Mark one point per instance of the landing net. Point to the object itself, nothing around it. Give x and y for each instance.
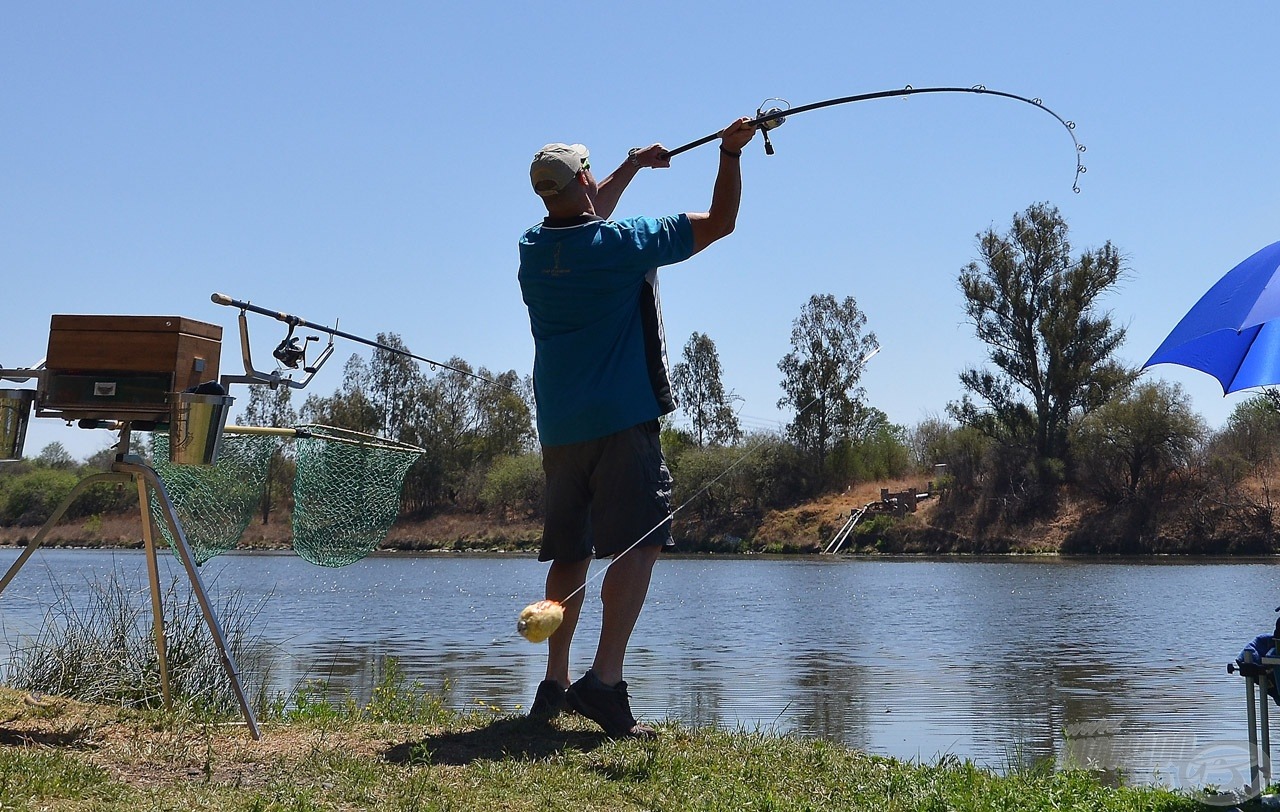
(214, 503)
(346, 493)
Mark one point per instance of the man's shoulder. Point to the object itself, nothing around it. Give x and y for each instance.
(648, 222)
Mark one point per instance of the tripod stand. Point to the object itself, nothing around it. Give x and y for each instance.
(131, 468)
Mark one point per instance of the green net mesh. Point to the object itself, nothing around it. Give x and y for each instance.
(346, 493)
(214, 503)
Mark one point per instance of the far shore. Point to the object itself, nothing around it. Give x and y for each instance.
(807, 528)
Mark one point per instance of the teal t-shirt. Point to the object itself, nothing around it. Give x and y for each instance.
(591, 286)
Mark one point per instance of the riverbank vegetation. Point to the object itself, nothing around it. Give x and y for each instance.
(1055, 446)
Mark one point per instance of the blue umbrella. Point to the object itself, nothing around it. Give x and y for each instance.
(1233, 332)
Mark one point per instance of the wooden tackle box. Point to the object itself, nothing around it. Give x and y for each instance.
(125, 367)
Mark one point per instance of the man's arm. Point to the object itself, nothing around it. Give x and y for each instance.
(719, 220)
(609, 191)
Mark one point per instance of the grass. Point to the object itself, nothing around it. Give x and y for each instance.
(405, 750)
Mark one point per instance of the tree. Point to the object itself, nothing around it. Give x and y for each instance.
(927, 442)
(350, 407)
(464, 423)
(1035, 309)
(1134, 444)
(821, 373)
(463, 420)
(55, 455)
(1247, 447)
(392, 383)
(700, 393)
(267, 407)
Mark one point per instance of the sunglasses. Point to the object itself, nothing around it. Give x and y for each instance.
(586, 164)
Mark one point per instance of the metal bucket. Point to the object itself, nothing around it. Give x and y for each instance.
(15, 411)
(195, 428)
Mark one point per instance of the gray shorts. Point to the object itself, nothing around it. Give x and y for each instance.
(605, 494)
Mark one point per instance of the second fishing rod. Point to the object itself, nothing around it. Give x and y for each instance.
(290, 352)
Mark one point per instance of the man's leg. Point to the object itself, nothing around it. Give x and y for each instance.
(563, 578)
(625, 586)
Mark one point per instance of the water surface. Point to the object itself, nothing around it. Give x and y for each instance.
(1120, 663)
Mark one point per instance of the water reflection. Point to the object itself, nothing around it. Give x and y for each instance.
(1113, 664)
(831, 698)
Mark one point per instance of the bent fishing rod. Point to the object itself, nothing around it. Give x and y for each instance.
(291, 353)
(773, 117)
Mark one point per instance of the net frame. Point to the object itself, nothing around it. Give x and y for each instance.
(336, 523)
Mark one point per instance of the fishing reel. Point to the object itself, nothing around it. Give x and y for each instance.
(769, 119)
(291, 353)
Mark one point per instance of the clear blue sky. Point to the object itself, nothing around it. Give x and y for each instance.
(368, 162)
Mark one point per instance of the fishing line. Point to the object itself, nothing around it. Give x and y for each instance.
(773, 117)
(540, 619)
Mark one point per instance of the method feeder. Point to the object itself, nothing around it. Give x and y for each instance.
(774, 116)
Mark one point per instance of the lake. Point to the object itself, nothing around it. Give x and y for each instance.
(1120, 664)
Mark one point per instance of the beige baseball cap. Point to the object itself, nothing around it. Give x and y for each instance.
(555, 166)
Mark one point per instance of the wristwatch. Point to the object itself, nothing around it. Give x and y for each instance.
(631, 156)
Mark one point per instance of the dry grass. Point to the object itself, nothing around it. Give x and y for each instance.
(810, 526)
(149, 749)
(116, 531)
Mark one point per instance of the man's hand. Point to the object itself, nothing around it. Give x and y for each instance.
(737, 135)
(610, 190)
(650, 157)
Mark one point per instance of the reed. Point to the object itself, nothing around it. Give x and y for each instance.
(97, 645)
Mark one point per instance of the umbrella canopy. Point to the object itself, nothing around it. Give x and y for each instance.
(1233, 332)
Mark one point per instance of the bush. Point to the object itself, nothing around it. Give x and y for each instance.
(872, 531)
(883, 454)
(30, 498)
(696, 469)
(777, 472)
(761, 473)
(515, 485)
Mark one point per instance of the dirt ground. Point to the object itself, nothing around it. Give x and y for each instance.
(146, 750)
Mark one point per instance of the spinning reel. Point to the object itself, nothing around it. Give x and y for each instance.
(292, 354)
(770, 119)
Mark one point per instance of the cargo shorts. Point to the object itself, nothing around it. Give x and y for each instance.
(606, 494)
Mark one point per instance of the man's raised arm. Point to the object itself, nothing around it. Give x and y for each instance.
(720, 219)
(609, 191)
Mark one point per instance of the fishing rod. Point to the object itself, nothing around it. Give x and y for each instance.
(773, 117)
(291, 353)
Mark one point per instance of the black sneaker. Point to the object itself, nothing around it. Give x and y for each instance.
(548, 701)
(609, 707)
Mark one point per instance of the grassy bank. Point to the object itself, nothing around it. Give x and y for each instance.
(407, 751)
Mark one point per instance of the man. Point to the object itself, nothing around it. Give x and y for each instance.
(600, 382)
(1264, 645)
